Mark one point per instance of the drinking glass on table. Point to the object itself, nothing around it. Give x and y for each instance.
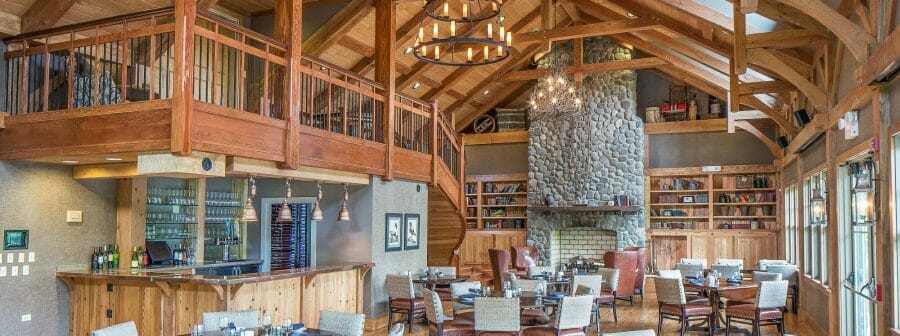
(197, 330)
(223, 324)
(286, 325)
(267, 324)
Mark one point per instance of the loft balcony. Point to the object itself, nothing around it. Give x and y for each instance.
(137, 83)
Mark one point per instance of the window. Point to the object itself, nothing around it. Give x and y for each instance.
(857, 221)
(791, 232)
(896, 212)
(815, 224)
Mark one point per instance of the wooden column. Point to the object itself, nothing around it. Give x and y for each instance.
(435, 128)
(131, 210)
(183, 93)
(884, 243)
(579, 58)
(385, 71)
(740, 39)
(289, 30)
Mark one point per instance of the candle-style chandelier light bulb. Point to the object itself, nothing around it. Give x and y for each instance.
(462, 34)
(554, 96)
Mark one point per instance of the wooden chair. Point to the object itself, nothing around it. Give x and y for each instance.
(497, 316)
(626, 263)
(460, 288)
(759, 276)
(640, 277)
(725, 270)
(676, 274)
(607, 294)
(687, 269)
(770, 299)
(573, 318)
(448, 271)
(241, 319)
(121, 329)
(440, 324)
(673, 305)
(701, 262)
(531, 317)
(343, 324)
(402, 298)
(736, 262)
(763, 264)
(529, 285)
(539, 270)
(791, 274)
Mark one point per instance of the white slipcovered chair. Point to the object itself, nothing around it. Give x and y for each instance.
(121, 329)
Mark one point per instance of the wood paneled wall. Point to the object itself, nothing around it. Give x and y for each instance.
(750, 246)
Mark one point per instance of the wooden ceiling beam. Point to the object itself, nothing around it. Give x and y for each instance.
(352, 43)
(852, 35)
(779, 12)
(704, 34)
(588, 30)
(723, 21)
(572, 11)
(770, 144)
(740, 41)
(336, 27)
(751, 88)
(765, 58)
(776, 115)
(44, 14)
(207, 4)
(783, 39)
(632, 64)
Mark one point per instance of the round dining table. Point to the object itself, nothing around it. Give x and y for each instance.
(724, 290)
(433, 281)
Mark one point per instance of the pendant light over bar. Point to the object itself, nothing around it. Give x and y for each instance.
(249, 213)
(284, 214)
(344, 214)
(317, 214)
(458, 37)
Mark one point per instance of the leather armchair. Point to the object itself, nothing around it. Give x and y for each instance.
(499, 266)
(640, 277)
(626, 262)
(524, 257)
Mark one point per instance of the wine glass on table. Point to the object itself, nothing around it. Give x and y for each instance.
(223, 324)
(267, 324)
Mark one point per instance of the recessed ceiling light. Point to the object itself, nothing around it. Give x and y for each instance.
(323, 68)
(69, 161)
(417, 85)
(113, 158)
(631, 15)
(485, 93)
(408, 50)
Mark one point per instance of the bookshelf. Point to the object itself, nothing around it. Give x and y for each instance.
(497, 202)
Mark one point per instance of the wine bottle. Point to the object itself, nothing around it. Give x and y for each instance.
(135, 263)
(115, 257)
(145, 256)
(95, 258)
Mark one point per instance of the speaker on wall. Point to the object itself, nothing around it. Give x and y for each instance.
(782, 141)
(802, 117)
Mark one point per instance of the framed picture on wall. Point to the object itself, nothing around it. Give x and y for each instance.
(411, 230)
(393, 232)
(15, 239)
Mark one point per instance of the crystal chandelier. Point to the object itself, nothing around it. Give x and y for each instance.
(458, 36)
(555, 96)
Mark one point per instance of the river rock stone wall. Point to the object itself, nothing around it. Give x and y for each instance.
(589, 158)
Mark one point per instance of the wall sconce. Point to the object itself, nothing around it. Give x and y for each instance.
(317, 214)
(284, 214)
(344, 214)
(249, 213)
(817, 203)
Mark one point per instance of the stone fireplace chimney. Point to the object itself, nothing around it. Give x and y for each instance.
(588, 159)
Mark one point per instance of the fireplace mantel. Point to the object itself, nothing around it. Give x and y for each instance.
(594, 208)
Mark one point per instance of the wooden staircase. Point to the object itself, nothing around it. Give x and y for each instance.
(446, 228)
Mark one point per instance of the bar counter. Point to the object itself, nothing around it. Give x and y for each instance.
(168, 302)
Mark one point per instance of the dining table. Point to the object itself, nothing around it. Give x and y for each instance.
(432, 280)
(728, 290)
(262, 332)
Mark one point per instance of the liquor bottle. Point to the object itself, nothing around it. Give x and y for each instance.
(135, 258)
(95, 257)
(145, 258)
(115, 257)
(176, 255)
(101, 258)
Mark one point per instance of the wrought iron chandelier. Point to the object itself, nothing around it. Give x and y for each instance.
(463, 33)
(554, 95)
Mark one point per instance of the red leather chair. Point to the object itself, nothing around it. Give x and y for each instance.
(626, 262)
(639, 278)
(524, 257)
(499, 266)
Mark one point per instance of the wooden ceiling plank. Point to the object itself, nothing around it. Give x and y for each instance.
(10, 24)
(632, 64)
(723, 21)
(588, 30)
(44, 14)
(511, 64)
(498, 97)
(206, 4)
(783, 39)
(352, 43)
(766, 59)
(336, 27)
(854, 37)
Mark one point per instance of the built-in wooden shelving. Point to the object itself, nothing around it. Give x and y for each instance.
(497, 202)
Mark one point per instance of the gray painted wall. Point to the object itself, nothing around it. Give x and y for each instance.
(713, 148)
(35, 197)
(653, 90)
(497, 159)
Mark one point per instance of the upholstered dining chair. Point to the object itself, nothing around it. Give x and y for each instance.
(524, 257)
(539, 270)
(443, 290)
(701, 262)
(738, 262)
(689, 269)
(241, 319)
(573, 318)
(342, 324)
(770, 299)
(531, 316)
(499, 266)
(608, 292)
(725, 270)
(645, 332)
(791, 274)
(762, 264)
(461, 288)
(640, 277)
(669, 274)
(397, 330)
(759, 276)
(440, 324)
(673, 305)
(626, 263)
(529, 286)
(497, 316)
(402, 298)
(121, 329)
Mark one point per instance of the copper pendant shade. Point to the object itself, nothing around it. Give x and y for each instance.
(317, 214)
(284, 214)
(249, 213)
(344, 214)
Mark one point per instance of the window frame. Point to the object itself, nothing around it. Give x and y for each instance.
(815, 234)
(791, 228)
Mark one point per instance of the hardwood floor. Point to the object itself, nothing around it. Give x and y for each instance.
(643, 315)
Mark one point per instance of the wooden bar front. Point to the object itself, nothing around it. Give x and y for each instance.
(169, 303)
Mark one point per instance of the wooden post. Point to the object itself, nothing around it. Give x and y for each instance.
(740, 39)
(131, 210)
(288, 30)
(435, 128)
(884, 243)
(183, 93)
(385, 71)
(579, 58)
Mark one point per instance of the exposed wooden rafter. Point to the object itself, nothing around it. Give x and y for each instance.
(206, 4)
(852, 35)
(790, 38)
(750, 88)
(632, 64)
(740, 41)
(336, 27)
(44, 14)
(768, 60)
(504, 93)
(588, 30)
(770, 144)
